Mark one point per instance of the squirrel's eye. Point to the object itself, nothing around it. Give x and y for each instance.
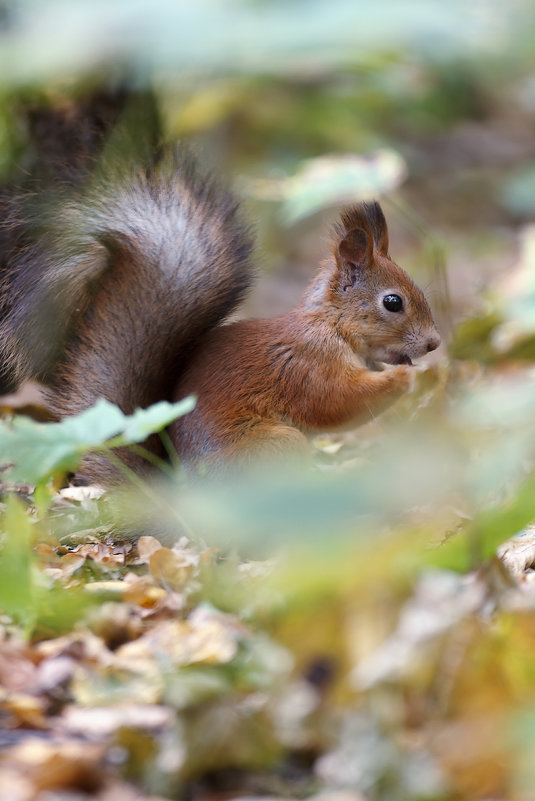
(393, 303)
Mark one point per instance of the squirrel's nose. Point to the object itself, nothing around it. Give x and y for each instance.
(433, 342)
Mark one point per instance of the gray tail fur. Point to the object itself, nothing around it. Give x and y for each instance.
(106, 289)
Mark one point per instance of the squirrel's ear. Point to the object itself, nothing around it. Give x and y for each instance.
(356, 248)
(355, 252)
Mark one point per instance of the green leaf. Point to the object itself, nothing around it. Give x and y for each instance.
(337, 179)
(472, 338)
(146, 421)
(53, 38)
(518, 194)
(37, 451)
(16, 563)
(27, 594)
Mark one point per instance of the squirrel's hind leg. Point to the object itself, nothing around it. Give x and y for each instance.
(267, 442)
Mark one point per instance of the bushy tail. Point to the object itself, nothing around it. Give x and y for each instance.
(42, 289)
(170, 260)
(122, 282)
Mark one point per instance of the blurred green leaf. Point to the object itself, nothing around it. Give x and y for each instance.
(36, 451)
(518, 193)
(493, 526)
(143, 422)
(17, 596)
(26, 593)
(47, 39)
(519, 291)
(472, 337)
(335, 180)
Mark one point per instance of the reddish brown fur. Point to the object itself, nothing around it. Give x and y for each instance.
(263, 384)
(283, 381)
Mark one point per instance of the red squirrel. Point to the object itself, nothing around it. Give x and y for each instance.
(118, 286)
(262, 385)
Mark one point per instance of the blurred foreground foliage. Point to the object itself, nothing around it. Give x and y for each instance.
(342, 630)
(346, 632)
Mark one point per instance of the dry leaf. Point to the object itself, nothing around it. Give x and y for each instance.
(146, 546)
(54, 766)
(141, 590)
(53, 672)
(14, 786)
(91, 493)
(82, 646)
(118, 588)
(101, 722)
(170, 568)
(26, 710)
(518, 553)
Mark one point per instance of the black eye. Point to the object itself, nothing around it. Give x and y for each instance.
(393, 303)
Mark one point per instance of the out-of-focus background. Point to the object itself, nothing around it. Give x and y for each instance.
(366, 644)
(425, 104)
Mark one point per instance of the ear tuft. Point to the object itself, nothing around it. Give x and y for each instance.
(369, 217)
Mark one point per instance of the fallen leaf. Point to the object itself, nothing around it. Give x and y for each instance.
(170, 568)
(146, 546)
(101, 722)
(54, 766)
(26, 710)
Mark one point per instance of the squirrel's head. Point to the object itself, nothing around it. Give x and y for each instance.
(380, 311)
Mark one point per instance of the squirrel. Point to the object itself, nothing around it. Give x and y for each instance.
(119, 286)
(262, 385)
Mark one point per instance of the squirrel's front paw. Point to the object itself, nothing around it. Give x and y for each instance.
(405, 377)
